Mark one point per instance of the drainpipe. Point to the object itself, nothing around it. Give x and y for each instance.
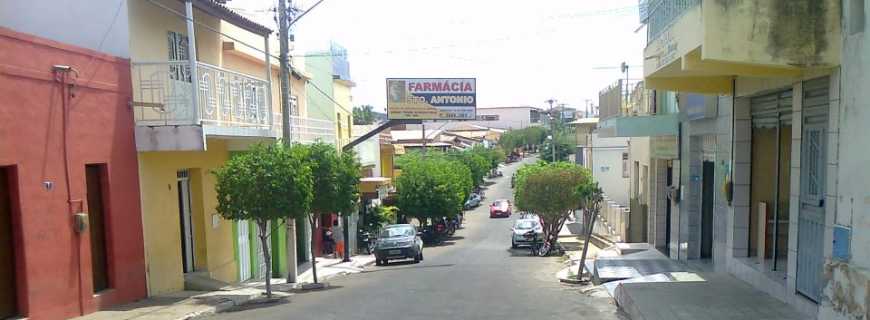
(191, 58)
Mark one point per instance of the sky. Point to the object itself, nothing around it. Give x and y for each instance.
(521, 52)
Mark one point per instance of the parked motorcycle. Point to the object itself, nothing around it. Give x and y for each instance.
(366, 241)
(430, 236)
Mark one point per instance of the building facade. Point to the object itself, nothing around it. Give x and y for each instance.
(756, 189)
(70, 219)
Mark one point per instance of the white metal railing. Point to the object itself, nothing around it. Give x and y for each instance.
(163, 95)
(662, 13)
(305, 130)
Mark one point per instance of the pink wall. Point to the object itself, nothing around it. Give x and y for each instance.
(53, 261)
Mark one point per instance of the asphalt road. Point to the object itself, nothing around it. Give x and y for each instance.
(475, 275)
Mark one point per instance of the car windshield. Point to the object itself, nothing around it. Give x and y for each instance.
(526, 224)
(397, 232)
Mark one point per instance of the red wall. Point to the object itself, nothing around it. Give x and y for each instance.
(53, 261)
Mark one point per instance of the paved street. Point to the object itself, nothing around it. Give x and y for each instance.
(474, 276)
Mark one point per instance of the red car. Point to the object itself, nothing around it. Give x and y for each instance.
(500, 208)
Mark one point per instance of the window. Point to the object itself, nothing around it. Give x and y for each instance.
(534, 116)
(178, 52)
(294, 106)
(856, 16)
(625, 172)
(644, 185)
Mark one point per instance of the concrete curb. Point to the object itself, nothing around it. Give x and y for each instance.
(219, 307)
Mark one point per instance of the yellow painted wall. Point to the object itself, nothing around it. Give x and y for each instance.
(714, 41)
(344, 123)
(150, 24)
(777, 32)
(160, 215)
(387, 161)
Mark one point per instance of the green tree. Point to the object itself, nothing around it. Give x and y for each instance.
(268, 183)
(552, 191)
(335, 185)
(563, 149)
(432, 186)
(477, 163)
(363, 114)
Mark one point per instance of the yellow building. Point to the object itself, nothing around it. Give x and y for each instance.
(343, 110)
(182, 136)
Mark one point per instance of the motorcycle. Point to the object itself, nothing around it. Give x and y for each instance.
(543, 248)
(430, 236)
(367, 242)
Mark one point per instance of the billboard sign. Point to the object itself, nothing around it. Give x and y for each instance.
(432, 98)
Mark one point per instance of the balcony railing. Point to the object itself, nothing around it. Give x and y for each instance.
(306, 130)
(163, 95)
(662, 13)
(625, 99)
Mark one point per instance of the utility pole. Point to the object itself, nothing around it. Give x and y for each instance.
(552, 129)
(286, 71)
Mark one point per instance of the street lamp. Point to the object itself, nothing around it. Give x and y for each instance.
(552, 145)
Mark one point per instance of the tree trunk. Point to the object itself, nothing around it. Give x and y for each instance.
(263, 225)
(589, 225)
(311, 219)
(291, 250)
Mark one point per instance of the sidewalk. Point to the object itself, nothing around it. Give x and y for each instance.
(189, 304)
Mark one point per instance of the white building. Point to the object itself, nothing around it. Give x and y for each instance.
(610, 167)
(514, 117)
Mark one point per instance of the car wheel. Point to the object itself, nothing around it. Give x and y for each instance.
(417, 258)
(513, 244)
(379, 262)
(421, 255)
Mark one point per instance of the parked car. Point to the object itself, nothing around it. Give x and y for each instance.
(473, 201)
(500, 208)
(521, 228)
(398, 241)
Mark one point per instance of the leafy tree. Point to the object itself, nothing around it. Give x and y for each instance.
(432, 186)
(476, 162)
(528, 138)
(270, 182)
(552, 191)
(335, 185)
(381, 216)
(363, 114)
(563, 149)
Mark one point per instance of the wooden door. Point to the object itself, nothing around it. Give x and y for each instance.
(97, 226)
(8, 298)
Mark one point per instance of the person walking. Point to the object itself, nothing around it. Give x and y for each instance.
(338, 235)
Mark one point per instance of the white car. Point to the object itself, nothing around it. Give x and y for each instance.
(523, 226)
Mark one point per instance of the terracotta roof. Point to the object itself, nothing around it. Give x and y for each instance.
(219, 10)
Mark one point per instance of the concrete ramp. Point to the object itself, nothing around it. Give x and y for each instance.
(698, 296)
(632, 261)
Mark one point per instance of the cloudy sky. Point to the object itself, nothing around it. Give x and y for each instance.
(521, 52)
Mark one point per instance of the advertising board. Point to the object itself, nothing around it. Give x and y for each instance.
(431, 98)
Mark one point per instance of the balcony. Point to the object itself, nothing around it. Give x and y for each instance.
(700, 45)
(630, 110)
(224, 103)
(306, 130)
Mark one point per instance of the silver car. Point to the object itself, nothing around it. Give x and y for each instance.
(523, 226)
(398, 241)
